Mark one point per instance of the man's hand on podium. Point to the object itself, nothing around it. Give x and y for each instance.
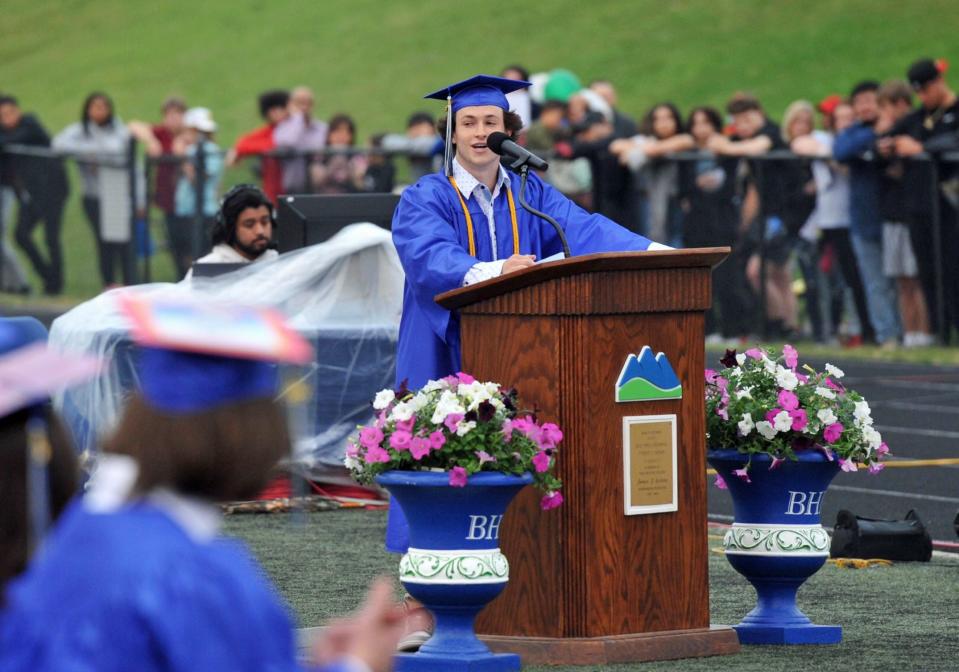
(518, 261)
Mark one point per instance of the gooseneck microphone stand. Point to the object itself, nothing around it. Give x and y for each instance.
(523, 168)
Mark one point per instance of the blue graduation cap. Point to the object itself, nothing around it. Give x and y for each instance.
(472, 92)
(196, 355)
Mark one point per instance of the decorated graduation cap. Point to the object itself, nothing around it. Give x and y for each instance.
(195, 355)
(473, 92)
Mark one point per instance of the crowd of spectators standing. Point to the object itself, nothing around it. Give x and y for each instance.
(837, 232)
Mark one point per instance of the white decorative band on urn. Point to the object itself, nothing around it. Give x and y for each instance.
(468, 566)
(789, 540)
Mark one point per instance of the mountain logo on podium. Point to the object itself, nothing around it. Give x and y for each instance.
(648, 377)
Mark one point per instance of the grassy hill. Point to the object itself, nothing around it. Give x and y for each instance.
(376, 59)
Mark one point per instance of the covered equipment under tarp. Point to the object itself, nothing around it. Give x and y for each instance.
(344, 296)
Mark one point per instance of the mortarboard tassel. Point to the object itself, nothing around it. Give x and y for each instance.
(448, 147)
(38, 487)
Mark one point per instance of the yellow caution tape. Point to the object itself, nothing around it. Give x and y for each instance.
(860, 563)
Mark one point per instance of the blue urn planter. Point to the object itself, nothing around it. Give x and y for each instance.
(454, 565)
(777, 542)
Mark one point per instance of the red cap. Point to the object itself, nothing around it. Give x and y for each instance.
(829, 104)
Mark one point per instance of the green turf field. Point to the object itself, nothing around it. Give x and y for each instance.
(376, 59)
(900, 618)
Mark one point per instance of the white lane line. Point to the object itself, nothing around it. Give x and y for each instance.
(918, 431)
(895, 493)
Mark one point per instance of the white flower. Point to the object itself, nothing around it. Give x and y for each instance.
(740, 359)
(862, 413)
(770, 365)
(766, 429)
(871, 437)
(383, 399)
(464, 428)
(401, 412)
(783, 422)
(448, 403)
(834, 371)
(746, 424)
(826, 416)
(744, 393)
(418, 402)
(475, 393)
(434, 385)
(786, 379)
(351, 463)
(825, 392)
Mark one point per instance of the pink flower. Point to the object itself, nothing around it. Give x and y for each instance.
(465, 378)
(419, 447)
(406, 425)
(834, 385)
(507, 430)
(790, 356)
(776, 463)
(883, 449)
(800, 419)
(370, 437)
(437, 440)
(722, 412)
(833, 432)
(377, 454)
(400, 440)
(541, 462)
(771, 415)
(787, 400)
(452, 420)
(451, 381)
(352, 450)
(551, 501)
(484, 457)
(722, 383)
(876, 467)
(550, 435)
(827, 452)
(743, 474)
(711, 376)
(380, 421)
(848, 465)
(720, 483)
(802, 378)
(458, 477)
(755, 353)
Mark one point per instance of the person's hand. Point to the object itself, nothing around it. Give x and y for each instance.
(518, 261)
(907, 146)
(717, 143)
(886, 146)
(620, 146)
(370, 635)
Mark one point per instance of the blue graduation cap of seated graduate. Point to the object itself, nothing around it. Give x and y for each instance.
(196, 355)
(472, 92)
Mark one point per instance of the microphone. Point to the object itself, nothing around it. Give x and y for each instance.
(502, 145)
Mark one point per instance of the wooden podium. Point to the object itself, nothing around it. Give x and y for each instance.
(589, 584)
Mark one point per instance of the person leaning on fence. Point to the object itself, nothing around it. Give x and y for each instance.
(339, 172)
(99, 143)
(242, 228)
(898, 258)
(933, 128)
(40, 185)
(158, 140)
(302, 133)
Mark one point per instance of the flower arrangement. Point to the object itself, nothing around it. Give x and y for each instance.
(760, 402)
(459, 425)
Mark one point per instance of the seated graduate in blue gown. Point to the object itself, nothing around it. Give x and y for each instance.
(135, 576)
(463, 225)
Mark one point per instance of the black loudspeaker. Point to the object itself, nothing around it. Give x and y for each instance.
(900, 540)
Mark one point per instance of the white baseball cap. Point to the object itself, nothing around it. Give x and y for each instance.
(199, 118)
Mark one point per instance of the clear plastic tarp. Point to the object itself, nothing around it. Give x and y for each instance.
(344, 296)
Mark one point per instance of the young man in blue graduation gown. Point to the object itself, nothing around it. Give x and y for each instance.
(464, 225)
(136, 576)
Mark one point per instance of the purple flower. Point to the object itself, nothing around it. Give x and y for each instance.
(742, 474)
(876, 467)
(722, 412)
(458, 477)
(437, 440)
(486, 411)
(755, 353)
(551, 501)
(776, 463)
(541, 462)
(838, 387)
(484, 457)
(827, 452)
(377, 454)
(452, 420)
(848, 465)
(711, 376)
(791, 356)
(370, 437)
(400, 440)
(883, 449)
(465, 378)
(550, 435)
(787, 400)
(419, 447)
(833, 432)
(507, 430)
(802, 378)
(729, 359)
(800, 419)
(720, 483)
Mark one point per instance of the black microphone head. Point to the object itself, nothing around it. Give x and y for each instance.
(495, 141)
